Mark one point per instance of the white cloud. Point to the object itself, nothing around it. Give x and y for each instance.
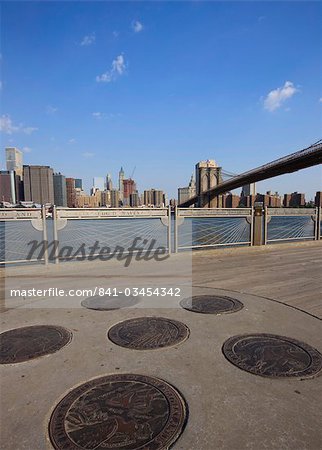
(88, 40)
(118, 67)
(320, 99)
(8, 127)
(29, 130)
(51, 109)
(277, 97)
(137, 26)
(72, 141)
(88, 154)
(26, 149)
(116, 34)
(98, 115)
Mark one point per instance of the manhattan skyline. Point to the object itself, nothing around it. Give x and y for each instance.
(161, 86)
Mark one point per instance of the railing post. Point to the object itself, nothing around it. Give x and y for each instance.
(252, 228)
(55, 235)
(175, 234)
(169, 229)
(258, 225)
(318, 223)
(45, 237)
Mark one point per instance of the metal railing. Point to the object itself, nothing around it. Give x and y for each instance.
(111, 227)
(212, 227)
(290, 224)
(193, 228)
(18, 227)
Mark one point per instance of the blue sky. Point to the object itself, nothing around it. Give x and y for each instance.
(89, 86)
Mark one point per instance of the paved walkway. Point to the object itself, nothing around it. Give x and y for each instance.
(229, 409)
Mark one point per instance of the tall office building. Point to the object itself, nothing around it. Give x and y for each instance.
(185, 193)
(115, 198)
(14, 160)
(106, 198)
(129, 187)
(134, 200)
(78, 183)
(71, 192)
(60, 191)
(38, 184)
(248, 189)
(121, 178)
(7, 189)
(109, 184)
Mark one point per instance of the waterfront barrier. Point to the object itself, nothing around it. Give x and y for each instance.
(150, 228)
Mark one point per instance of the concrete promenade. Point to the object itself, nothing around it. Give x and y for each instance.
(229, 409)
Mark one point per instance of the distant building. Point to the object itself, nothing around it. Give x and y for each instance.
(121, 178)
(248, 189)
(78, 183)
(229, 201)
(106, 198)
(134, 200)
(153, 197)
(129, 187)
(71, 192)
(87, 201)
(185, 193)
(271, 200)
(294, 200)
(318, 199)
(7, 193)
(14, 160)
(109, 184)
(60, 191)
(115, 198)
(38, 184)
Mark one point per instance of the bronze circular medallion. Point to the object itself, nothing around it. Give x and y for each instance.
(125, 411)
(148, 333)
(109, 302)
(269, 355)
(211, 304)
(23, 344)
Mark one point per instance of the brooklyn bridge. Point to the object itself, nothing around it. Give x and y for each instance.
(210, 183)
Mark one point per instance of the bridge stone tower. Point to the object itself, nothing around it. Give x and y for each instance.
(208, 175)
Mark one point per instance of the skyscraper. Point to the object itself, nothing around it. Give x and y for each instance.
(38, 184)
(14, 160)
(71, 192)
(115, 198)
(121, 178)
(7, 192)
(109, 184)
(248, 189)
(60, 191)
(78, 183)
(129, 187)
